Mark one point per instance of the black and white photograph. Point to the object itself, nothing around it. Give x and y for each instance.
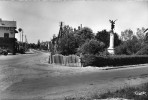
(73, 50)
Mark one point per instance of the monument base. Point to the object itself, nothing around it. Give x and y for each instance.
(111, 51)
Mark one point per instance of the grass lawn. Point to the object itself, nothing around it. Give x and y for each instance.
(127, 93)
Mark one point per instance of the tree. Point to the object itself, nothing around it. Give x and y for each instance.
(132, 44)
(143, 51)
(140, 33)
(129, 47)
(146, 36)
(92, 47)
(38, 44)
(67, 44)
(126, 35)
(20, 30)
(64, 30)
(117, 41)
(83, 35)
(104, 36)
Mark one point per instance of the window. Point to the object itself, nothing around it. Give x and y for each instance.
(6, 35)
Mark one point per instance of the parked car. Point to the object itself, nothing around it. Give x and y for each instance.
(3, 51)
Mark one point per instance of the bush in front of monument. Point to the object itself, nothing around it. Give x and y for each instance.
(92, 47)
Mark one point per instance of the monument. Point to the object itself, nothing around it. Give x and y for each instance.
(111, 44)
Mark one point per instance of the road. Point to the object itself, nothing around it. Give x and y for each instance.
(30, 77)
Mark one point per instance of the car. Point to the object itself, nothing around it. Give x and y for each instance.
(3, 51)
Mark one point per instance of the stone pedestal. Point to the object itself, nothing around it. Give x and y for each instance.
(111, 44)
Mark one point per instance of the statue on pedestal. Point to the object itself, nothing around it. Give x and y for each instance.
(111, 44)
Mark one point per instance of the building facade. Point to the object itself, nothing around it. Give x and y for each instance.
(7, 35)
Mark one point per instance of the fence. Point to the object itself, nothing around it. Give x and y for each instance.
(71, 60)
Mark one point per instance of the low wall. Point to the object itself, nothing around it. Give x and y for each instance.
(71, 60)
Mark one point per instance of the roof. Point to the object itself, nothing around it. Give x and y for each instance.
(5, 23)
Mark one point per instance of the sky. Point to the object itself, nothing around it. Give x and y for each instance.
(40, 19)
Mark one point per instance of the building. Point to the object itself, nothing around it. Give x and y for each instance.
(7, 35)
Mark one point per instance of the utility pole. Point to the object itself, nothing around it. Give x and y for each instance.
(25, 38)
(25, 43)
(81, 26)
(22, 36)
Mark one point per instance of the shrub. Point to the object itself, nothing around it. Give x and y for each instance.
(143, 51)
(129, 47)
(100, 61)
(122, 49)
(92, 47)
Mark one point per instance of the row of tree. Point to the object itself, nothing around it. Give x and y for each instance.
(83, 40)
(133, 43)
(39, 45)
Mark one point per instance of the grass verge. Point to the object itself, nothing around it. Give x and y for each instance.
(128, 93)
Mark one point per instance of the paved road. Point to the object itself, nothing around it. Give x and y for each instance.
(30, 77)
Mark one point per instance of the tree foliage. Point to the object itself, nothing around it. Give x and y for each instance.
(72, 41)
(126, 35)
(92, 47)
(104, 36)
(140, 33)
(67, 45)
(129, 47)
(131, 43)
(67, 42)
(143, 51)
(83, 35)
(38, 44)
(146, 36)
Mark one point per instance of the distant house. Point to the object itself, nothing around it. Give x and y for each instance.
(44, 45)
(7, 35)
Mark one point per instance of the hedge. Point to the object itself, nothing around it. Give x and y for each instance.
(101, 61)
